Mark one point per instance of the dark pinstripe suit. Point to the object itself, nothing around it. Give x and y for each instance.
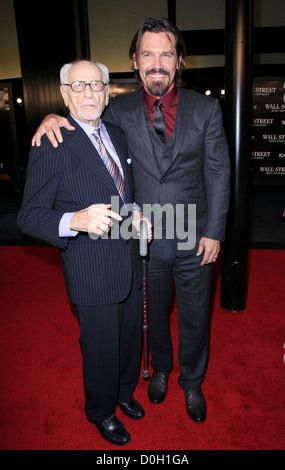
(102, 276)
(193, 168)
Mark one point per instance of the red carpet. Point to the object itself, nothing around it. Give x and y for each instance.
(41, 385)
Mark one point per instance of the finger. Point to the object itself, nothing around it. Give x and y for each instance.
(93, 227)
(33, 141)
(57, 133)
(205, 260)
(101, 223)
(102, 210)
(37, 138)
(115, 216)
(200, 249)
(216, 253)
(101, 206)
(98, 209)
(104, 223)
(105, 227)
(208, 256)
(99, 228)
(51, 136)
(149, 232)
(65, 123)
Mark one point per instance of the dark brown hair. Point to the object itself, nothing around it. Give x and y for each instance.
(158, 25)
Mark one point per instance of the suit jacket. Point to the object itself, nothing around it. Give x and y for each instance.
(193, 168)
(68, 179)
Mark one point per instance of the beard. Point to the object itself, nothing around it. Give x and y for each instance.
(157, 87)
(89, 115)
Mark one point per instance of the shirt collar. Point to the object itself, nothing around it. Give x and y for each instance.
(167, 100)
(87, 127)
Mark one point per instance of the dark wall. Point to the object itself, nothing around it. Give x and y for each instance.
(49, 35)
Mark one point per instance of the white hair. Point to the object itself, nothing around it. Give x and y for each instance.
(65, 69)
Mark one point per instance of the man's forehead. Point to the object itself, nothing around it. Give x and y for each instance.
(84, 68)
(154, 39)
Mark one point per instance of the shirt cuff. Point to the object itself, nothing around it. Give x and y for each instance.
(64, 229)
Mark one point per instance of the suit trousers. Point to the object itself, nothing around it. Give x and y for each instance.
(192, 287)
(110, 339)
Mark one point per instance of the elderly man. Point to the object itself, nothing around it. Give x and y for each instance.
(67, 202)
(180, 157)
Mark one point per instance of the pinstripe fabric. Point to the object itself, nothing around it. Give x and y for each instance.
(110, 343)
(68, 179)
(101, 275)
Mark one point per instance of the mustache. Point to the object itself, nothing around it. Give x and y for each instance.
(160, 71)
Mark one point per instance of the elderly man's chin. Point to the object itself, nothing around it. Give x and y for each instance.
(89, 116)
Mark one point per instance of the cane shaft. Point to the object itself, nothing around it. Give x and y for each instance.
(143, 253)
(145, 372)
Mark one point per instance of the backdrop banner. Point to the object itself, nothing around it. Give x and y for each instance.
(268, 126)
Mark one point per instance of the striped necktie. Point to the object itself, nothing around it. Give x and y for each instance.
(110, 164)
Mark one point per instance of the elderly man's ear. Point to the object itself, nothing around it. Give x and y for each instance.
(107, 95)
(64, 94)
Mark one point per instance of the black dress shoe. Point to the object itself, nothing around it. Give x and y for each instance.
(133, 409)
(157, 386)
(195, 405)
(113, 431)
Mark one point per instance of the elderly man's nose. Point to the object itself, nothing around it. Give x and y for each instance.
(88, 90)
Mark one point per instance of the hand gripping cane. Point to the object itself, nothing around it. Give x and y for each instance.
(143, 253)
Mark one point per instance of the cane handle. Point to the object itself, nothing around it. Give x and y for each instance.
(143, 238)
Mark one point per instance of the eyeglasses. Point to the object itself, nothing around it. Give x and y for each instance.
(79, 86)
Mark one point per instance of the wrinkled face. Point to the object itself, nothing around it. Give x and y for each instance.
(157, 62)
(88, 105)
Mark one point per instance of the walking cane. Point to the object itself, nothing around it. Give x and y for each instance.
(143, 253)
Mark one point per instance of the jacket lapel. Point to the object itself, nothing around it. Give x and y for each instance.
(86, 151)
(139, 125)
(122, 154)
(182, 121)
(139, 134)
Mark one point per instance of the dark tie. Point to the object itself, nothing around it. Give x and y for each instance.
(159, 123)
(110, 164)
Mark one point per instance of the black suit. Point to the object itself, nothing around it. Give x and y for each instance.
(102, 276)
(192, 168)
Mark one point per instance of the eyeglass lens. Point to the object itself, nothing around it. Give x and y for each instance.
(95, 85)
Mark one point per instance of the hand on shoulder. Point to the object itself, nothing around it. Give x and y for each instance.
(51, 127)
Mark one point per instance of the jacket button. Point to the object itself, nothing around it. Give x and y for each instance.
(162, 181)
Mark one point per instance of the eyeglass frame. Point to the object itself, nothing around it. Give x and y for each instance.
(82, 81)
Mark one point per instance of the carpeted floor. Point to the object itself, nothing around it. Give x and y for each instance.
(41, 391)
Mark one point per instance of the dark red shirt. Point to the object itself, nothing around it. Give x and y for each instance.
(169, 108)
